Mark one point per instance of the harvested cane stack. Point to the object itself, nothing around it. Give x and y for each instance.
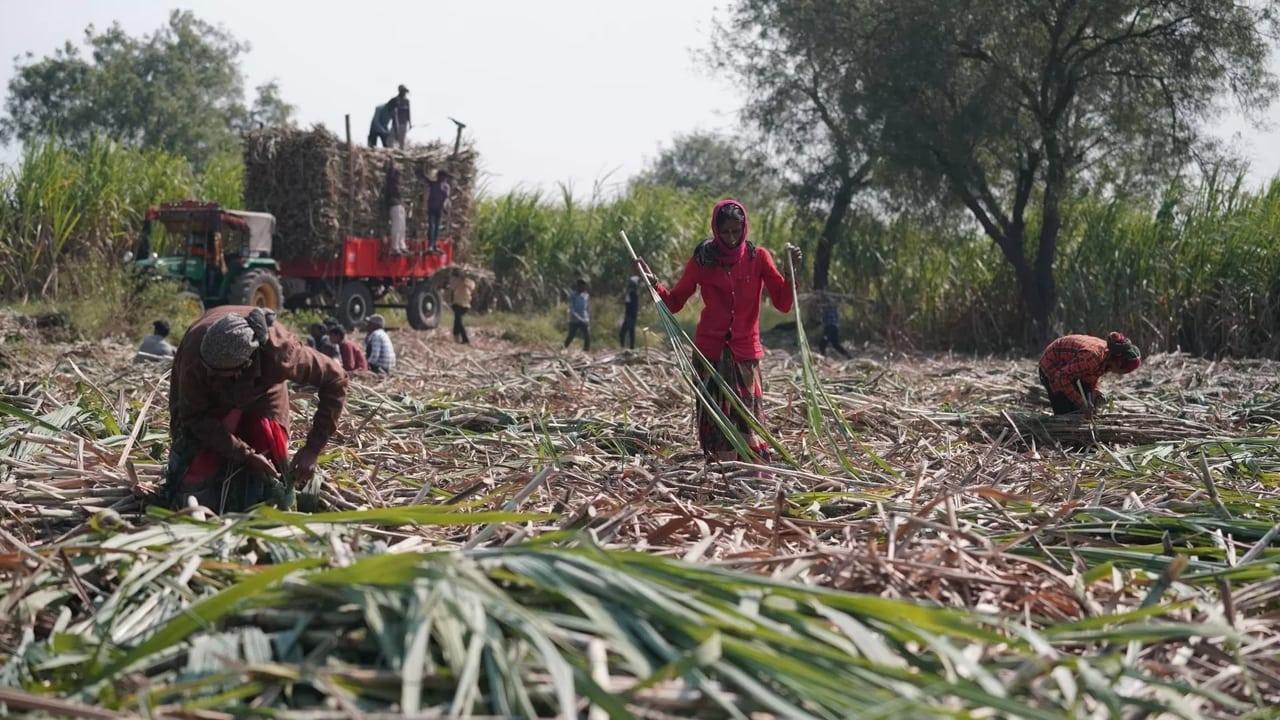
(319, 194)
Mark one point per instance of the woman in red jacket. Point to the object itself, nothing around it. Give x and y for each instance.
(730, 273)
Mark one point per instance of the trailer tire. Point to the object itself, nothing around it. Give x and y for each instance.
(355, 303)
(260, 288)
(424, 307)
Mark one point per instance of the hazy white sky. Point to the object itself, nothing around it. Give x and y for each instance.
(552, 90)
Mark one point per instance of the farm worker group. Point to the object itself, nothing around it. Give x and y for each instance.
(229, 404)
(389, 126)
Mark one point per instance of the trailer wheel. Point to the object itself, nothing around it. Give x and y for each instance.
(355, 303)
(260, 288)
(424, 307)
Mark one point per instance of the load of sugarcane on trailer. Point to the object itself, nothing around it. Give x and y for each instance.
(349, 228)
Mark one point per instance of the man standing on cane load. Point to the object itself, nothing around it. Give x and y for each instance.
(437, 203)
(229, 411)
(395, 209)
(461, 289)
(399, 107)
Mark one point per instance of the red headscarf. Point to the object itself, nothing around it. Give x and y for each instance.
(730, 255)
(1125, 354)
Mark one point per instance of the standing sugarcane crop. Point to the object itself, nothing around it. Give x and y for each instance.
(1072, 366)
(229, 410)
(730, 274)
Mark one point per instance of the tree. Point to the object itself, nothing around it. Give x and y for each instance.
(269, 108)
(714, 164)
(800, 63)
(1014, 106)
(179, 89)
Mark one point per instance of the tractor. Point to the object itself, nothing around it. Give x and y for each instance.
(223, 257)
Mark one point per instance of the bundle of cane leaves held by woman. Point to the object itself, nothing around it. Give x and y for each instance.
(730, 273)
(819, 404)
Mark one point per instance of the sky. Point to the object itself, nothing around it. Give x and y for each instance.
(552, 91)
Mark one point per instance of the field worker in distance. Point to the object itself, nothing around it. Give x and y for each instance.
(830, 314)
(630, 309)
(318, 339)
(378, 350)
(461, 289)
(154, 347)
(350, 354)
(1071, 367)
(395, 209)
(730, 273)
(579, 315)
(380, 127)
(229, 410)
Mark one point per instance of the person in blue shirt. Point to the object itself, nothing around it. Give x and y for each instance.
(579, 316)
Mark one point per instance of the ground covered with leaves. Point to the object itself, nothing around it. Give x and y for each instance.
(520, 531)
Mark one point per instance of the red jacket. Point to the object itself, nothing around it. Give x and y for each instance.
(731, 301)
(1071, 358)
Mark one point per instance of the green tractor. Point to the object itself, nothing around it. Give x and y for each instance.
(222, 256)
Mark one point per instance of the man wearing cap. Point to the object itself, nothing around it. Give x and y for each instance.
(378, 350)
(229, 410)
(399, 107)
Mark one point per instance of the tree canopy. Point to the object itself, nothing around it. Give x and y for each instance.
(1007, 107)
(1016, 106)
(712, 163)
(179, 88)
(800, 64)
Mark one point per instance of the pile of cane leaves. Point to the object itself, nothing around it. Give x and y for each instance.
(285, 610)
(520, 532)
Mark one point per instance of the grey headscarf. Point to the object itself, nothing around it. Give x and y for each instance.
(376, 322)
(232, 340)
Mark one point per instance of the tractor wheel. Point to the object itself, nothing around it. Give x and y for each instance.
(355, 303)
(260, 288)
(424, 307)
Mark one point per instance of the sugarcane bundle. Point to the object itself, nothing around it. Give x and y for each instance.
(320, 191)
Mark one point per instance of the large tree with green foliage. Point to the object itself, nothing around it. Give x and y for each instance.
(179, 89)
(714, 164)
(1014, 106)
(800, 64)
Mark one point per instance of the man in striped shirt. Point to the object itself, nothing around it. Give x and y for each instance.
(378, 350)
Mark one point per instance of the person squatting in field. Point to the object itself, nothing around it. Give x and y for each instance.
(229, 411)
(730, 273)
(1072, 366)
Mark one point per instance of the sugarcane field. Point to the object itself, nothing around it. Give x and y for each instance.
(760, 359)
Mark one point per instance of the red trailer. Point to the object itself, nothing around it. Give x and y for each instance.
(363, 275)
